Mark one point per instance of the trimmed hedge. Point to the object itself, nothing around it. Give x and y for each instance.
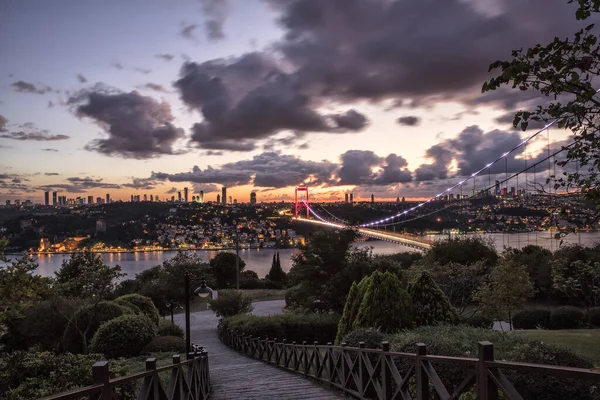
(167, 328)
(478, 321)
(145, 305)
(165, 343)
(125, 336)
(297, 327)
(230, 303)
(371, 337)
(461, 341)
(566, 317)
(594, 317)
(531, 319)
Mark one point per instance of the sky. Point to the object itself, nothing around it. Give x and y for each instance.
(383, 97)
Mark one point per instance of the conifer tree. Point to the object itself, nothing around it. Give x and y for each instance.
(353, 301)
(276, 273)
(430, 304)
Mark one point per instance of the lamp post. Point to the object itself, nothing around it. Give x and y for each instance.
(201, 291)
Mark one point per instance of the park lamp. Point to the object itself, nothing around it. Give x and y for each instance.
(203, 290)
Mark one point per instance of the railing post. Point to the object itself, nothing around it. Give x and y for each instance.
(363, 373)
(316, 358)
(386, 376)
(304, 357)
(330, 365)
(101, 374)
(344, 366)
(285, 354)
(295, 361)
(486, 387)
(421, 376)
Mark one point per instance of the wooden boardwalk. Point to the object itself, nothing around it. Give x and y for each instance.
(235, 376)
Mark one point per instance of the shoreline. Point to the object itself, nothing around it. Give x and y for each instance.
(32, 253)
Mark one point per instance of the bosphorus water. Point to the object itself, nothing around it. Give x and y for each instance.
(259, 260)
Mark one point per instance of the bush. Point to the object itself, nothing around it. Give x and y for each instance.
(353, 300)
(42, 325)
(462, 341)
(430, 304)
(594, 317)
(167, 328)
(300, 296)
(133, 309)
(297, 327)
(371, 337)
(531, 319)
(230, 303)
(165, 343)
(478, 321)
(89, 320)
(145, 305)
(28, 375)
(566, 317)
(125, 336)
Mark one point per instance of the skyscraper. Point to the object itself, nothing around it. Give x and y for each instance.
(497, 188)
(185, 194)
(224, 195)
(351, 198)
(107, 198)
(179, 196)
(230, 200)
(397, 199)
(253, 198)
(47, 198)
(132, 198)
(218, 198)
(145, 197)
(201, 197)
(54, 200)
(151, 197)
(90, 199)
(372, 198)
(346, 198)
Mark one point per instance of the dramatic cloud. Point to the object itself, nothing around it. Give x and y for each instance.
(40, 136)
(166, 57)
(81, 78)
(141, 184)
(216, 12)
(209, 175)
(206, 188)
(364, 167)
(247, 99)
(80, 185)
(51, 173)
(27, 87)
(137, 126)
(409, 120)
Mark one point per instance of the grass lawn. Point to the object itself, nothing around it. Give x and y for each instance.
(584, 342)
(138, 364)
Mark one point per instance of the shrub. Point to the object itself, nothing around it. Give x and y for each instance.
(297, 327)
(300, 296)
(430, 304)
(131, 307)
(28, 375)
(167, 328)
(566, 317)
(231, 302)
(86, 322)
(42, 325)
(531, 319)
(594, 317)
(478, 321)
(386, 305)
(145, 305)
(125, 336)
(165, 343)
(355, 296)
(461, 341)
(371, 337)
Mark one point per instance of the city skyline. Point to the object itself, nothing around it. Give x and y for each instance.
(251, 103)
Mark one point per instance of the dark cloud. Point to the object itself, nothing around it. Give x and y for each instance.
(209, 175)
(117, 65)
(248, 99)
(409, 120)
(51, 150)
(142, 70)
(78, 185)
(172, 190)
(154, 86)
(213, 153)
(81, 78)
(364, 167)
(137, 126)
(395, 170)
(216, 12)
(187, 31)
(28, 87)
(50, 104)
(141, 184)
(38, 136)
(51, 173)
(166, 57)
(206, 188)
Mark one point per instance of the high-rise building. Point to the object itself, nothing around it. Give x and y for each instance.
(403, 199)
(172, 198)
(224, 195)
(512, 191)
(98, 200)
(132, 198)
(107, 198)
(201, 197)
(17, 202)
(54, 196)
(234, 201)
(185, 194)
(179, 196)
(90, 199)
(151, 197)
(218, 198)
(253, 198)
(397, 199)
(145, 197)
(47, 198)
(346, 198)
(230, 200)
(8, 202)
(372, 198)
(497, 188)
(351, 198)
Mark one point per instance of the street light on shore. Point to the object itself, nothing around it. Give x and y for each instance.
(201, 291)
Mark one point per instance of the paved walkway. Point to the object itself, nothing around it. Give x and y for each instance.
(235, 376)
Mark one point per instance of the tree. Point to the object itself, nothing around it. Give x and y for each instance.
(353, 301)
(579, 281)
(458, 281)
(276, 273)
(385, 305)
(430, 304)
(230, 303)
(223, 268)
(538, 263)
(565, 70)
(463, 250)
(508, 290)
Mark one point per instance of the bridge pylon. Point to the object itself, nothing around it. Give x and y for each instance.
(300, 204)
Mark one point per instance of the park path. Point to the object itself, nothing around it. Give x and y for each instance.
(235, 376)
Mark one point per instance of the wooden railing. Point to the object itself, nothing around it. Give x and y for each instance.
(188, 380)
(375, 374)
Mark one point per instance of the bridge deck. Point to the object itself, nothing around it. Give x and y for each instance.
(235, 376)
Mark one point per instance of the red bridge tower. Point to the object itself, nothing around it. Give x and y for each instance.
(302, 203)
